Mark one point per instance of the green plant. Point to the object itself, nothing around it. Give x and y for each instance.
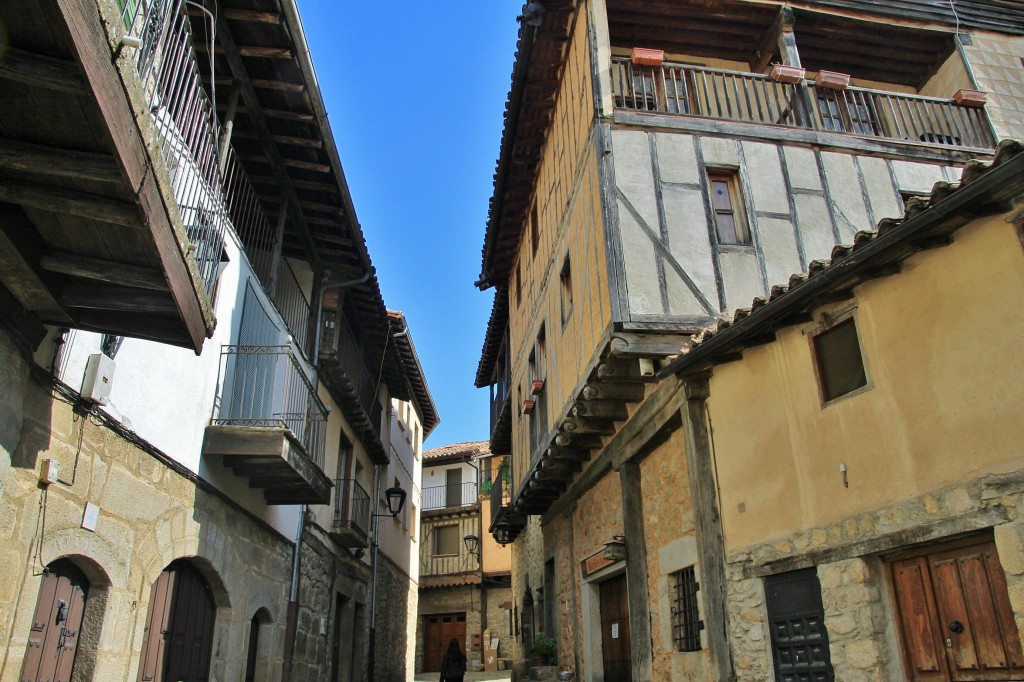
(544, 647)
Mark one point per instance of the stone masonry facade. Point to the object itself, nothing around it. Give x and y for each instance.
(862, 630)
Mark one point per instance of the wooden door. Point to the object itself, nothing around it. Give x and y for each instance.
(56, 625)
(615, 648)
(439, 631)
(955, 617)
(179, 627)
(453, 488)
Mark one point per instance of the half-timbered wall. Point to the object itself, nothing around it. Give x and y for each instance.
(798, 202)
(569, 227)
(998, 65)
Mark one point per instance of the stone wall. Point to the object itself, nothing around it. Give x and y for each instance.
(454, 599)
(396, 594)
(150, 514)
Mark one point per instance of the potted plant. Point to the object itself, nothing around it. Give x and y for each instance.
(543, 651)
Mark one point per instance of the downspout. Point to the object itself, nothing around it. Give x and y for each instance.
(291, 627)
(480, 558)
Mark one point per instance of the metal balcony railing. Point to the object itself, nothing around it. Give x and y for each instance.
(336, 337)
(351, 506)
(445, 496)
(211, 188)
(501, 493)
(267, 386)
(755, 98)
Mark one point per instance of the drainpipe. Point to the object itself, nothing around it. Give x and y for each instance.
(320, 308)
(373, 577)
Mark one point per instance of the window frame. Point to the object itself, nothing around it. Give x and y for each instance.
(565, 292)
(829, 324)
(437, 536)
(737, 207)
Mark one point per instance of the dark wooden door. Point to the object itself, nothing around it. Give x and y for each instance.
(439, 631)
(797, 621)
(56, 625)
(179, 628)
(453, 488)
(615, 649)
(955, 617)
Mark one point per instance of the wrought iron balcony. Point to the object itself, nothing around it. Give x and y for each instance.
(351, 527)
(719, 94)
(449, 496)
(269, 424)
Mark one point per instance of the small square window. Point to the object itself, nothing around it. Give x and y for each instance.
(446, 540)
(840, 363)
(686, 623)
(727, 204)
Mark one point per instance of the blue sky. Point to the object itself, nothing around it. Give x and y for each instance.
(415, 93)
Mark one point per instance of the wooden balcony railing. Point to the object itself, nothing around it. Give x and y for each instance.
(719, 94)
(446, 496)
(266, 386)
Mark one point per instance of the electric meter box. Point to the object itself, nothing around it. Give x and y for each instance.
(99, 376)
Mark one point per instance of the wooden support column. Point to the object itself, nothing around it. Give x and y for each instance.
(229, 123)
(275, 252)
(641, 645)
(708, 522)
(787, 38)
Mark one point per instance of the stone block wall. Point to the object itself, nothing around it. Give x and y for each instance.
(150, 514)
(396, 593)
(455, 599)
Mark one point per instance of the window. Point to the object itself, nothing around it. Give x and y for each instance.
(446, 540)
(565, 287)
(519, 285)
(727, 203)
(839, 361)
(686, 623)
(534, 230)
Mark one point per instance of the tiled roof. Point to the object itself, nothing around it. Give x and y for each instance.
(468, 449)
(984, 188)
(492, 339)
(410, 362)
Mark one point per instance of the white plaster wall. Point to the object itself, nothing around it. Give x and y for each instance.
(396, 537)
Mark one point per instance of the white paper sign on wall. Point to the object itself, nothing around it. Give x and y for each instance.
(615, 630)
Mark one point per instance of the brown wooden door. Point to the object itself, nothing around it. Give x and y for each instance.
(439, 631)
(615, 649)
(56, 625)
(955, 617)
(179, 627)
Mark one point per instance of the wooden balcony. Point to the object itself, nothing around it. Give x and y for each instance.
(750, 98)
(270, 425)
(351, 525)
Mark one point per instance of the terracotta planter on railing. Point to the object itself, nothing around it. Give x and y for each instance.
(832, 79)
(783, 73)
(537, 386)
(970, 98)
(528, 406)
(645, 56)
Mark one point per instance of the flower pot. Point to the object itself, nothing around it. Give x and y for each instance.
(970, 98)
(528, 406)
(832, 79)
(645, 56)
(783, 73)
(537, 386)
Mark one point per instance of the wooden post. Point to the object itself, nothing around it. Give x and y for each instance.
(708, 523)
(787, 38)
(229, 123)
(275, 253)
(640, 643)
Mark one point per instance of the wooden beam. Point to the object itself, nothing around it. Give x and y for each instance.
(19, 247)
(626, 345)
(110, 272)
(630, 393)
(288, 115)
(582, 425)
(41, 71)
(33, 158)
(638, 601)
(607, 409)
(90, 40)
(251, 15)
(104, 297)
(274, 84)
(61, 200)
(307, 165)
(258, 117)
(770, 41)
(621, 369)
(580, 441)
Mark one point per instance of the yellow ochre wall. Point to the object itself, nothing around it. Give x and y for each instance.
(942, 347)
(567, 198)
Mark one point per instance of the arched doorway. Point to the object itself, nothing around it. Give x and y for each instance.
(252, 652)
(56, 624)
(179, 627)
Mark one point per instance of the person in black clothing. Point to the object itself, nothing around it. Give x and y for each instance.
(453, 665)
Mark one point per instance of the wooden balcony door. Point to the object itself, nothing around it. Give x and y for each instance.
(56, 625)
(954, 615)
(616, 654)
(453, 488)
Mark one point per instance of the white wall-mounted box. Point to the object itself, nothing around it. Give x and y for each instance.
(99, 375)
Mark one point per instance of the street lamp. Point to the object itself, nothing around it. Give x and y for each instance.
(472, 545)
(396, 500)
